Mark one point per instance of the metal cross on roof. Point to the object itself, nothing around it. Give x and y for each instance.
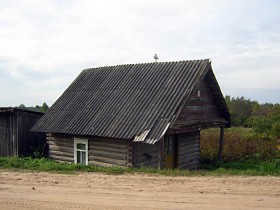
(155, 57)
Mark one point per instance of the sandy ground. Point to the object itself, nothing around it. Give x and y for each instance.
(33, 190)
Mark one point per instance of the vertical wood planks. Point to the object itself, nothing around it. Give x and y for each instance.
(189, 150)
(146, 155)
(15, 136)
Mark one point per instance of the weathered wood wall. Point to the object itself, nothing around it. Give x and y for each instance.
(8, 135)
(109, 152)
(60, 147)
(188, 150)
(101, 151)
(15, 136)
(146, 155)
(28, 142)
(198, 108)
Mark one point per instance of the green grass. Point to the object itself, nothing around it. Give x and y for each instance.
(247, 167)
(243, 168)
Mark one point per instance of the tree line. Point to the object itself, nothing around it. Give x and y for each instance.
(36, 108)
(264, 119)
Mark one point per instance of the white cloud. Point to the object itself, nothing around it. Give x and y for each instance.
(45, 44)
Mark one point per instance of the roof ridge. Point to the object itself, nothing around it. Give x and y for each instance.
(159, 62)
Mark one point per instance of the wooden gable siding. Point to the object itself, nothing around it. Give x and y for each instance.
(101, 151)
(188, 150)
(145, 155)
(198, 108)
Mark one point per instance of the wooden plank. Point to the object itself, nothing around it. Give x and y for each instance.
(62, 158)
(187, 146)
(187, 163)
(96, 163)
(115, 149)
(60, 148)
(108, 160)
(4, 142)
(189, 157)
(108, 155)
(148, 148)
(161, 153)
(130, 147)
(109, 145)
(151, 152)
(107, 140)
(141, 154)
(61, 153)
(192, 165)
(151, 164)
(60, 140)
(60, 144)
(189, 151)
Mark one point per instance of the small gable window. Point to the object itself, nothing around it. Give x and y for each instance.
(80, 151)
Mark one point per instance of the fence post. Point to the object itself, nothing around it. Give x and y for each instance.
(221, 143)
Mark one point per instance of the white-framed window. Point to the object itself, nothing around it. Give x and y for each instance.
(80, 151)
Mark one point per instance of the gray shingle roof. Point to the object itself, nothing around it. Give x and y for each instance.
(135, 101)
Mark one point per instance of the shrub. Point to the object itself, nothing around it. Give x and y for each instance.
(239, 144)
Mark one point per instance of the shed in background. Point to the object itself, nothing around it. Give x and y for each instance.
(16, 139)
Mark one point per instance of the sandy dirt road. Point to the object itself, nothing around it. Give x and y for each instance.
(33, 190)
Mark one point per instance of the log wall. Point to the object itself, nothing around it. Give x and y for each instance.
(60, 148)
(101, 151)
(146, 155)
(112, 152)
(109, 152)
(188, 150)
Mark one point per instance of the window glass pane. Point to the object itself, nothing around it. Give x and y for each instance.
(83, 157)
(81, 146)
(78, 157)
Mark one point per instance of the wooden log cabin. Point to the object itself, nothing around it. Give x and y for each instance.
(15, 136)
(136, 115)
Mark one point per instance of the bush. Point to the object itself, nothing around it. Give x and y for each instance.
(239, 144)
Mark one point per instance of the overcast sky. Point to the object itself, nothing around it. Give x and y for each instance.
(44, 45)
